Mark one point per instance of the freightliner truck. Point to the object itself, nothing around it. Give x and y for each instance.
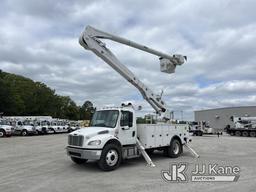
(113, 134)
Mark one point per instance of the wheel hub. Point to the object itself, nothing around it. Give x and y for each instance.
(176, 148)
(112, 157)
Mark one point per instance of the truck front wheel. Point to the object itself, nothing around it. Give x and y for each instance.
(175, 148)
(24, 132)
(78, 160)
(110, 157)
(2, 133)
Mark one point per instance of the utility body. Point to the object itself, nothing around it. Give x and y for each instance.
(113, 134)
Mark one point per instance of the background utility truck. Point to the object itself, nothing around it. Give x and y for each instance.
(244, 126)
(113, 134)
(6, 128)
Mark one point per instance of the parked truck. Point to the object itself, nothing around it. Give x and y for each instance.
(195, 128)
(244, 126)
(24, 127)
(42, 126)
(113, 134)
(201, 128)
(58, 126)
(6, 128)
(72, 126)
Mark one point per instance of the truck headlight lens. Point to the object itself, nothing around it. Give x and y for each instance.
(95, 142)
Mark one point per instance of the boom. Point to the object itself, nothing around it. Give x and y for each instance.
(90, 39)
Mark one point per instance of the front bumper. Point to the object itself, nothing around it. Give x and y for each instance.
(83, 153)
(7, 132)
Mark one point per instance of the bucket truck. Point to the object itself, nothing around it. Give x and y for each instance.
(113, 134)
(244, 126)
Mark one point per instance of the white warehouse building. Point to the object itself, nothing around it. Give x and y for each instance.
(219, 118)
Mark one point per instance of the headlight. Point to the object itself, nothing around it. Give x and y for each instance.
(95, 142)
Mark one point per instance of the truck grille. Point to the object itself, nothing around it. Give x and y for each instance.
(76, 140)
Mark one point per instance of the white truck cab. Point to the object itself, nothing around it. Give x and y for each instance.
(113, 135)
(42, 126)
(6, 128)
(58, 126)
(25, 127)
(73, 125)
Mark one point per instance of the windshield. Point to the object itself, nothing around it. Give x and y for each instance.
(26, 122)
(106, 118)
(73, 124)
(44, 123)
(4, 122)
(54, 123)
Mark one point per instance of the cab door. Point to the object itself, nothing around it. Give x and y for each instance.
(127, 133)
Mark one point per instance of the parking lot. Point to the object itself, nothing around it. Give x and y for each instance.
(39, 163)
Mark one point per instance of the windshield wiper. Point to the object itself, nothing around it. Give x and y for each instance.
(99, 125)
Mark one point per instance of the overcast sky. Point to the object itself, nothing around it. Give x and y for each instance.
(39, 40)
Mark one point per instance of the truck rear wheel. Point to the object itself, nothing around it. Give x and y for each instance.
(175, 149)
(238, 133)
(252, 134)
(2, 133)
(78, 160)
(110, 157)
(245, 134)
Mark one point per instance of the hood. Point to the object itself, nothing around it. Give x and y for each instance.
(5, 126)
(92, 131)
(27, 126)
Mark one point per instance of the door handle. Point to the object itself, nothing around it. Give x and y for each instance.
(125, 128)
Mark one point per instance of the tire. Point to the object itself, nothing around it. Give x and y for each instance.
(175, 149)
(78, 160)
(232, 133)
(24, 133)
(238, 133)
(44, 131)
(245, 134)
(110, 157)
(2, 133)
(252, 134)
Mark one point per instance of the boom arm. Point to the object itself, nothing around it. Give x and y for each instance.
(90, 39)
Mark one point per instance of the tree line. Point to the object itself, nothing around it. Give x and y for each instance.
(22, 96)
